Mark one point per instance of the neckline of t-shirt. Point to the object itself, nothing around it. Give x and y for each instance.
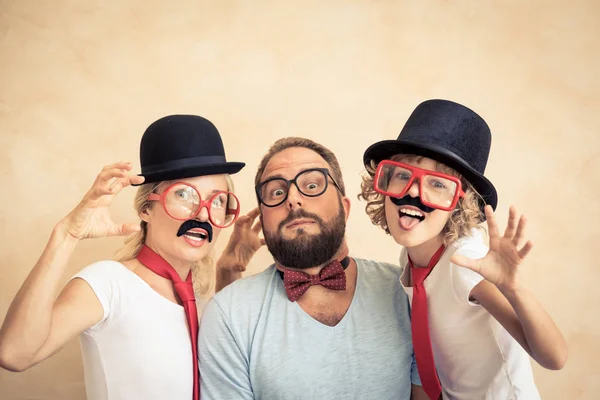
(445, 258)
(342, 322)
(147, 285)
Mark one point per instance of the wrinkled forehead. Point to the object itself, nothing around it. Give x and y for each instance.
(289, 162)
(203, 184)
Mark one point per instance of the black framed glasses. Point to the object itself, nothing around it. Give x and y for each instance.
(311, 182)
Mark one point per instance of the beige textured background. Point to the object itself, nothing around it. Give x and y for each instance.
(81, 80)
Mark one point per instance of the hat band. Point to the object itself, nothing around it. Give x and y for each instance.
(182, 163)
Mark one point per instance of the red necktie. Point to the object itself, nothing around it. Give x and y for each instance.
(420, 328)
(296, 283)
(185, 291)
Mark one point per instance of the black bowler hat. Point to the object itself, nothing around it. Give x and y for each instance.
(449, 133)
(183, 146)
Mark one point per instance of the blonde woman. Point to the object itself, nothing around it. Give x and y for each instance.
(136, 317)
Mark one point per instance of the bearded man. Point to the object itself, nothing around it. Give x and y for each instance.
(317, 324)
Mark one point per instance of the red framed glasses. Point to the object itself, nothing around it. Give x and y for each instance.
(182, 201)
(436, 189)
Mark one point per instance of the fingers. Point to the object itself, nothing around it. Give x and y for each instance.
(257, 227)
(127, 229)
(520, 231)
(136, 180)
(248, 218)
(124, 229)
(114, 178)
(512, 223)
(254, 213)
(243, 220)
(526, 249)
(246, 221)
(262, 242)
(107, 176)
(117, 184)
(126, 165)
(515, 231)
(110, 170)
(491, 221)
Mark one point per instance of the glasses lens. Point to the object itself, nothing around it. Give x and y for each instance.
(312, 183)
(393, 179)
(438, 191)
(273, 192)
(182, 201)
(223, 209)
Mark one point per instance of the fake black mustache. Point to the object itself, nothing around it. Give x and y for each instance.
(411, 201)
(194, 223)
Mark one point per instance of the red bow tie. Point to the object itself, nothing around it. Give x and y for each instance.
(332, 277)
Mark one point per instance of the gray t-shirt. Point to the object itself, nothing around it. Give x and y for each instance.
(256, 344)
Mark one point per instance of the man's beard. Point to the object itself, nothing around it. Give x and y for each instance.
(307, 250)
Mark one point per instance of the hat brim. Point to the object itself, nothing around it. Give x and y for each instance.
(191, 171)
(386, 149)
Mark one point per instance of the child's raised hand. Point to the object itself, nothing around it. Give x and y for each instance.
(501, 264)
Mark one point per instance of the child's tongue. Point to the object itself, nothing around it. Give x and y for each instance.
(408, 222)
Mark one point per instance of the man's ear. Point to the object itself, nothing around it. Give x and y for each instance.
(347, 205)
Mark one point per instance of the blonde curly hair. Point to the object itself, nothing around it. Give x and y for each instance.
(466, 216)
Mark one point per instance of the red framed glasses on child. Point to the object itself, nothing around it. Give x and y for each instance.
(437, 190)
(182, 201)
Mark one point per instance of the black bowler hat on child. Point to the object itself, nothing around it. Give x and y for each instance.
(449, 133)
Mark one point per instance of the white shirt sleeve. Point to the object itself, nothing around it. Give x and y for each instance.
(463, 279)
(102, 276)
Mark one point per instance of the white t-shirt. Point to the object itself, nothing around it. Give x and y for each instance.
(141, 348)
(475, 357)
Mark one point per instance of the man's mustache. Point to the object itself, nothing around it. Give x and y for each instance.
(411, 201)
(300, 213)
(194, 223)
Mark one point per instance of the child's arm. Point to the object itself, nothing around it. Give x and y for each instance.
(526, 320)
(502, 295)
